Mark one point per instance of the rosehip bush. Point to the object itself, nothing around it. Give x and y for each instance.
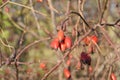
(59, 39)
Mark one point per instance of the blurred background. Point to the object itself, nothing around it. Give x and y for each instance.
(23, 22)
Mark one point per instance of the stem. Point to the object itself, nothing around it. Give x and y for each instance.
(81, 18)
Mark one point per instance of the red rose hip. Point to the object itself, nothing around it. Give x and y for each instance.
(54, 44)
(68, 42)
(113, 77)
(62, 46)
(94, 38)
(67, 73)
(60, 35)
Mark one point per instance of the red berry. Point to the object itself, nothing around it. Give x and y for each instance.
(39, 0)
(68, 62)
(62, 46)
(94, 38)
(70, 56)
(60, 35)
(90, 69)
(42, 65)
(7, 9)
(85, 58)
(113, 77)
(54, 44)
(68, 42)
(67, 73)
(86, 40)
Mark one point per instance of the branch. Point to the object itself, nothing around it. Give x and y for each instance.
(81, 18)
(105, 7)
(17, 70)
(38, 12)
(36, 19)
(52, 14)
(4, 4)
(109, 24)
(30, 45)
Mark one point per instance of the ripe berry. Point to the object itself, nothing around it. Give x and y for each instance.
(70, 56)
(113, 77)
(60, 35)
(85, 58)
(68, 42)
(90, 69)
(54, 44)
(67, 73)
(62, 46)
(7, 9)
(68, 62)
(94, 38)
(86, 40)
(39, 0)
(42, 65)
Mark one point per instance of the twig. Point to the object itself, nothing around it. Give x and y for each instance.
(36, 19)
(38, 12)
(110, 41)
(30, 45)
(81, 18)
(80, 9)
(104, 74)
(109, 24)
(68, 7)
(102, 14)
(99, 6)
(14, 23)
(18, 45)
(4, 4)
(6, 45)
(17, 70)
(0, 57)
(52, 14)
(62, 25)
(110, 70)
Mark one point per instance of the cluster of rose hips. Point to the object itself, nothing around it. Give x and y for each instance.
(90, 41)
(61, 41)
